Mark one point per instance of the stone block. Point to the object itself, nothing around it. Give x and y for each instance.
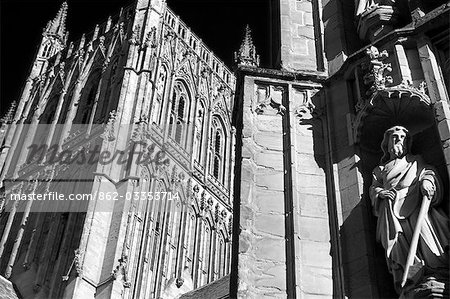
(309, 19)
(316, 281)
(304, 144)
(313, 229)
(248, 171)
(273, 277)
(304, 32)
(316, 254)
(269, 123)
(306, 164)
(270, 224)
(303, 6)
(300, 47)
(444, 129)
(441, 110)
(313, 205)
(269, 201)
(269, 140)
(270, 181)
(269, 159)
(271, 249)
(313, 182)
(298, 18)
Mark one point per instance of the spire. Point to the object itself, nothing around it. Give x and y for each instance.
(57, 26)
(8, 117)
(247, 52)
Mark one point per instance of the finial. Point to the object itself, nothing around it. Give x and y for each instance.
(8, 117)
(57, 26)
(247, 52)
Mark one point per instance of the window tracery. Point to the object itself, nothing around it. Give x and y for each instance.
(179, 114)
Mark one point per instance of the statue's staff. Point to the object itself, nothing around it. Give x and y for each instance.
(415, 239)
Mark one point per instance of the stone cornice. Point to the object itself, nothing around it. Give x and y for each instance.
(316, 77)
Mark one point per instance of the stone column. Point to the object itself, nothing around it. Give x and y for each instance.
(259, 198)
(438, 94)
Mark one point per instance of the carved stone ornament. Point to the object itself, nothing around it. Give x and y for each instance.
(108, 134)
(150, 40)
(375, 18)
(385, 105)
(121, 269)
(8, 117)
(134, 38)
(269, 96)
(303, 105)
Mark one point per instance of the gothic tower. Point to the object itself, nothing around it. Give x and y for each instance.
(135, 116)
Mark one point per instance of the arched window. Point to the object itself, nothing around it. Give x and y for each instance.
(47, 50)
(108, 96)
(157, 109)
(218, 150)
(179, 114)
(87, 99)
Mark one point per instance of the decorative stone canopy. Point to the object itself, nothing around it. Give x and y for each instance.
(386, 106)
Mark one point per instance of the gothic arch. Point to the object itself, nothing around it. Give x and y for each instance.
(218, 148)
(105, 102)
(87, 97)
(180, 113)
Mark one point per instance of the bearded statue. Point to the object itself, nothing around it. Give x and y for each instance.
(401, 185)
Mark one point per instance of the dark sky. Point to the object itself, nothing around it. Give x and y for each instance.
(219, 23)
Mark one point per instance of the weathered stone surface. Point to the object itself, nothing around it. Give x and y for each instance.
(271, 181)
(444, 129)
(307, 164)
(269, 201)
(269, 140)
(318, 281)
(315, 254)
(269, 123)
(313, 229)
(270, 224)
(270, 160)
(442, 110)
(273, 277)
(270, 249)
(313, 205)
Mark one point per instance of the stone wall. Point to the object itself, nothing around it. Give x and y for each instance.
(301, 35)
(281, 193)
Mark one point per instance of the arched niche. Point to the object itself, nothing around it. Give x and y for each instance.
(407, 107)
(412, 109)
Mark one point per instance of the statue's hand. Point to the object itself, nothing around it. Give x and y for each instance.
(427, 188)
(387, 194)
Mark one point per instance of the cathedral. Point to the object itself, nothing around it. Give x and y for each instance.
(136, 164)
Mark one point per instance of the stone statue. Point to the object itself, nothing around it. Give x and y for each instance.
(400, 188)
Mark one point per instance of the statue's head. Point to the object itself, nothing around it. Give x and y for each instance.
(396, 143)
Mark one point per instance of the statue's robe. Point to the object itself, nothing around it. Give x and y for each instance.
(397, 218)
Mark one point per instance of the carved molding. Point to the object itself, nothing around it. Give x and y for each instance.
(377, 79)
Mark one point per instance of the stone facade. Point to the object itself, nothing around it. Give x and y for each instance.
(277, 162)
(142, 82)
(284, 243)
